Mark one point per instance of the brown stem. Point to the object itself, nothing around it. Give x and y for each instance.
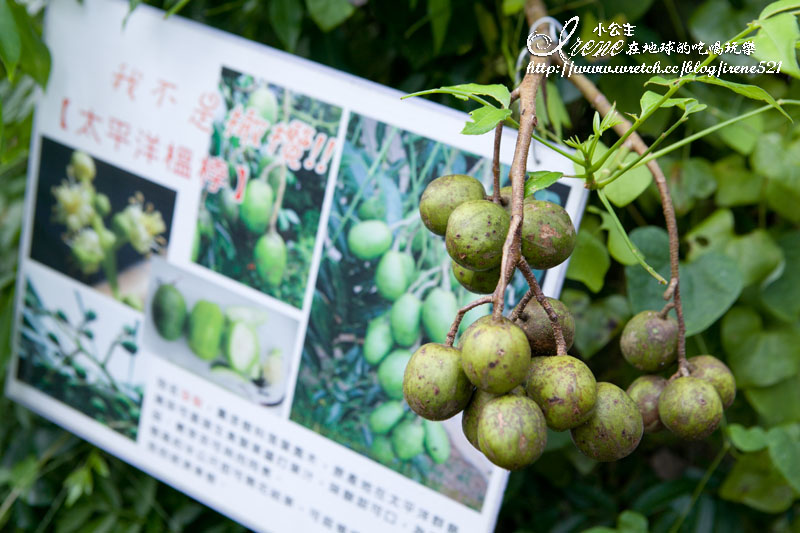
(451, 335)
(663, 313)
(558, 333)
(498, 135)
(520, 308)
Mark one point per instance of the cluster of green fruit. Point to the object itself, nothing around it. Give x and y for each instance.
(689, 406)
(210, 332)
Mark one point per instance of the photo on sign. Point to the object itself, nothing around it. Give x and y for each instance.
(220, 336)
(98, 223)
(265, 181)
(385, 286)
(75, 349)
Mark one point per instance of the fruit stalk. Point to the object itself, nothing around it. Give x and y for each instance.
(451, 335)
(498, 134)
(558, 333)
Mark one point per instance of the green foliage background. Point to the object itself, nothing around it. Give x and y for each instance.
(736, 193)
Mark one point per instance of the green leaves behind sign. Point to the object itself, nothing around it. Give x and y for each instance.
(540, 179)
(485, 119)
(776, 41)
(439, 13)
(709, 285)
(10, 42)
(755, 482)
(328, 14)
(782, 296)
(759, 358)
(286, 17)
(589, 262)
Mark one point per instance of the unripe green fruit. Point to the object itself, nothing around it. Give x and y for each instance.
(82, 166)
(506, 195)
(382, 451)
(378, 340)
(472, 413)
(438, 310)
(434, 384)
(537, 326)
(405, 316)
(385, 417)
(264, 102)
(437, 443)
(270, 257)
(495, 354)
(690, 408)
(548, 236)
(256, 206)
(394, 274)
(615, 428)
(475, 234)
(648, 341)
(645, 391)
(711, 369)
(564, 388)
(408, 440)
(102, 204)
(369, 239)
(478, 282)
(443, 195)
(168, 312)
(206, 323)
(373, 208)
(391, 371)
(512, 432)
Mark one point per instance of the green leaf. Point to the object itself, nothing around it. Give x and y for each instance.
(589, 262)
(782, 296)
(754, 481)
(556, 110)
(784, 450)
(180, 4)
(777, 7)
(767, 157)
(286, 16)
(10, 41)
(471, 90)
(736, 184)
(753, 92)
(616, 243)
(712, 234)
(632, 522)
(650, 99)
(485, 119)
(776, 40)
(35, 58)
(658, 80)
(540, 179)
(689, 180)
(630, 185)
(783, 189)
(439, 13)
(24, 473)
(743, 136)
(328, 14)
(752, 439)
(598, 321)
(756, 254)
(777, 404)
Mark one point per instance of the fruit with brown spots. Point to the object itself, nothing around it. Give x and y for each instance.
(645, 391)
(478, 282)
(512, 432)
(537, 326)
(548, 235)
(690, 407)
(476, 231)
(443, 195)
(648, 341)
(711, 369)
(495, 354)
(472, 413)
(434, 384)
(615, 428)
(564, 388)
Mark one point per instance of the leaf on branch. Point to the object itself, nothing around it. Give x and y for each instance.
(10, 42)
(485, 119)
(471, 90)
(328, 14)
(540, 179)
(589, 262)
(753, 92)
(784, 450)
(650, 100)
(777, 7)
(776, 41)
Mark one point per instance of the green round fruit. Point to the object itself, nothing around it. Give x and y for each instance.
(475, 234)
(711, 369)
(645, 391)
(478, 282)
(405, 317)
(264, 102)
(82, 166)
(495, 354)
(392, 277)
(506, 195)
(408, 439)
(169, 311)
(438, 310)
(385, 417)
(443, 195)
(437, 442)
(690, 408)
(564, 388)
(373, 208)
(615, 428)
(270, 257)
(548, 236)
(472, 413)
(537, 326)
(206, 323)
(648, 341)
(370, 239)
(382, 451)
(378, 340)
(391, 371)
(256, 206)
(434, 384)
(241, 347)
(512, 432)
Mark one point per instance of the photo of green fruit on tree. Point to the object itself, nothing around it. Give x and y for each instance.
(218, 335)
(81, 356)
(262, 234)
(386, 286)
(98, 223)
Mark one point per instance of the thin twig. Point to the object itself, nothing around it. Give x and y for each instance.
(451, 335)
(498, 136)
(520, 308)
(558, 333)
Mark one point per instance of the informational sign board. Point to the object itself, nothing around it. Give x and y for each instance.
(223, 272)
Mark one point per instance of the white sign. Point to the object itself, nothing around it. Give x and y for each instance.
(214, 234)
